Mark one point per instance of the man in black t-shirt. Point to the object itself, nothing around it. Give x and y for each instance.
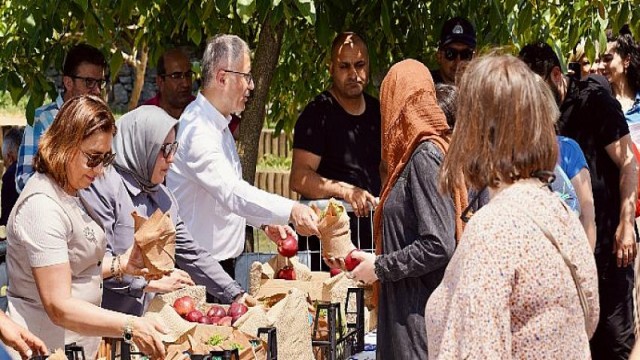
(591, 116)
(336, 143)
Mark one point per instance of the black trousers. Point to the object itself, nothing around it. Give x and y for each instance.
(614, 337)
(229, 266)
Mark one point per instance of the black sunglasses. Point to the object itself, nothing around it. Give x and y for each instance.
(93, 160)
(179, 75)
(169, 149)
(451, 54)
(90, 82)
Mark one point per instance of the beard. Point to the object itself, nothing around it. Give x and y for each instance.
(556, 93)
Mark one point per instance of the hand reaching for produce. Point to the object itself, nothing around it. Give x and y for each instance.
(20, 339)
(364, 267)
(175, 280)
(304, 219)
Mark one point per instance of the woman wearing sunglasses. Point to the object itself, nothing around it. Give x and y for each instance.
(56, 251)
(145, 146)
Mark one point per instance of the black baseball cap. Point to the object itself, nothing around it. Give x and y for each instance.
(458, 30)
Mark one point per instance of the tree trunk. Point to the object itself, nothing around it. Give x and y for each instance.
(140, 67)
(264, 64)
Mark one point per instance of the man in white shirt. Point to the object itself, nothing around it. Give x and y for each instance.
(206, 176)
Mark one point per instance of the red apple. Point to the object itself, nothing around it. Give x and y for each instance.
(349, 262)
(237, 310)
(205, 320)
(184, 305)
(216, 311)
(225, 321)
(286, 273)
(194, 315)
(335, 271)
(288, 247)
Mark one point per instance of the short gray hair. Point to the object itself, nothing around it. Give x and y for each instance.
(11, 141)
(222, 51)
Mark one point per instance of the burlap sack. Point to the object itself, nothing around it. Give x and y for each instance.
(269, 270)
(156, 237)
(196, 342)
(161, 309)
(290, 317)
(187, 336)
(335, 232)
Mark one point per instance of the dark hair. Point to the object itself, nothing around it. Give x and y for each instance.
(340, 39)
(540, 58)
(79, 118)
(504, 127)
(160, 67)
(447, 97)
(11, 140)
(625, 46)
(82, 53)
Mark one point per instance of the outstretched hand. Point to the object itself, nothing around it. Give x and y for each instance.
(20, 339)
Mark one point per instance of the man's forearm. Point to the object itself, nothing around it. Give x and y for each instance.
(628, 190)
(311, 185)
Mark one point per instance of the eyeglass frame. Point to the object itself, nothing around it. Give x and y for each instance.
(173, 148)
(106, 159)
(179, 75)
(248, 77)
(96, 82)
(458, 54)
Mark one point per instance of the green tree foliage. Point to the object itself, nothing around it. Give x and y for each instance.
(36, 33)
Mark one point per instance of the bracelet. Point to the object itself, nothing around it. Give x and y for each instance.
(119, 273)
(113, 266)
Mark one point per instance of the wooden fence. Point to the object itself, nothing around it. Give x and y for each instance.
(278, 146)
(274, 181)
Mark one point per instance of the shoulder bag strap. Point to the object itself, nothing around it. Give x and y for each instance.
(572, 268)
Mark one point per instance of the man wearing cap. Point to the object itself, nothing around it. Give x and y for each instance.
(457, 45)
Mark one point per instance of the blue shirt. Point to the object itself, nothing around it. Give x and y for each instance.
(29, 147)
(633, 114)
(571, 158)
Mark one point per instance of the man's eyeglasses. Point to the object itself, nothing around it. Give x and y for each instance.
(451, 54)
(169, 149)
(179, 75)
(247, 76)
(90, 82)
(93, 160)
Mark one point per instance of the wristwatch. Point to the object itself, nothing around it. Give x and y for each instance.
(127, 332)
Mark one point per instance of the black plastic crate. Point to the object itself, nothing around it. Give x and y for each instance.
(71, 351)
(269, 333)
(342, 341)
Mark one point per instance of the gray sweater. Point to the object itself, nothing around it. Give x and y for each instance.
(111, 199)
(418, 241)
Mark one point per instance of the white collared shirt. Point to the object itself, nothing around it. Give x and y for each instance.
(206, 178)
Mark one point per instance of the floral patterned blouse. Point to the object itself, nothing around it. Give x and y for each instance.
(507, 293)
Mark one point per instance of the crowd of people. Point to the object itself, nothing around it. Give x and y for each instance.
(503, 192)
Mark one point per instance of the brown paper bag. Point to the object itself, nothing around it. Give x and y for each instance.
(156, 237)
(335, 233)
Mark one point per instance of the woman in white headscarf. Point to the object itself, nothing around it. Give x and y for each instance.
(145, 145)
